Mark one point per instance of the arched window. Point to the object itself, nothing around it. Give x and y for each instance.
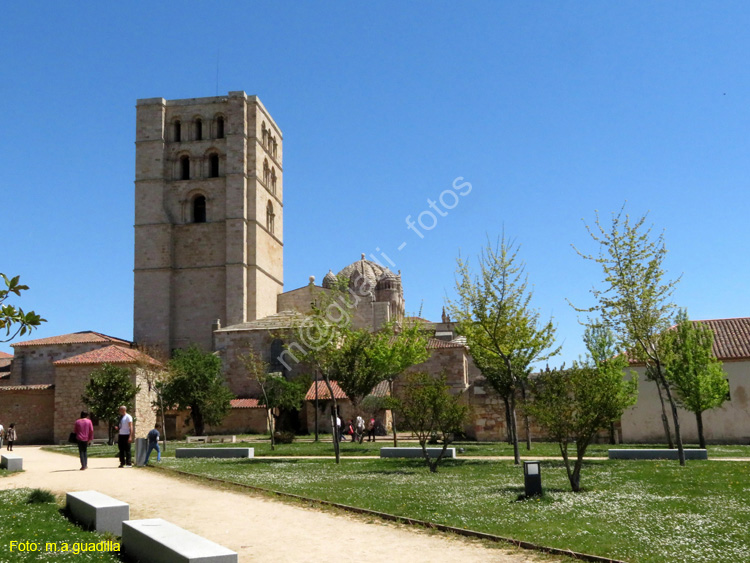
(266, 173)
(199, 209)
(264, 133)
(276, 362)
(275, 147)
(273, 181)
(177, 131)
(213, 165)
(184, 167)
(269, 217)
(198, 130)
(219, 127)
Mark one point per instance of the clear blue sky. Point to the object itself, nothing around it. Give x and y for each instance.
(550, 110)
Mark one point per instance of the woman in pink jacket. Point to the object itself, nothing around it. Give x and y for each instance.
(84, 430)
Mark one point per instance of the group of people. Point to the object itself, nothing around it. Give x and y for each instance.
(8, 435)
(356, 429)
(84, 435)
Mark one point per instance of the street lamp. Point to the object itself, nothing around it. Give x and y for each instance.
(532, 478)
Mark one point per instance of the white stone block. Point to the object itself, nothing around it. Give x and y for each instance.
(158, 541)
(11, 462)
(97, 511)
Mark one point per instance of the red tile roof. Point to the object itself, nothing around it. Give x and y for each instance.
(245, 404)
(109, 355)
(83, 337)
(380, 390)
(323, 394)
(26, 387)
(731, 338)
(5, 356)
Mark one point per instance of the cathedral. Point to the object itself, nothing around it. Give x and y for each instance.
(209, 271)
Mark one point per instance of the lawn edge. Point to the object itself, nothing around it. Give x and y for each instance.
(400, 519)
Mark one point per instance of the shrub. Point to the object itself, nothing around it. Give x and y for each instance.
(283, 437)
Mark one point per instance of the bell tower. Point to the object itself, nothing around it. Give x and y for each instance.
(208, 217)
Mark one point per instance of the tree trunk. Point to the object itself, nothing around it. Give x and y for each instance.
(575, 478)
(197, 420)
(514, 430)
(675, 419)
(699, 421)
(526, 419)
(271, 427)
(664, 419)
(508, 434)
(393, 417)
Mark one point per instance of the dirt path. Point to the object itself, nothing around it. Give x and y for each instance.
(256, 528)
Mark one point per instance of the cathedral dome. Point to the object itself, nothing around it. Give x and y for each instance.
(366, 270)
(329, 280)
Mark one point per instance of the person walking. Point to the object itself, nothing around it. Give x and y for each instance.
(125, 433)
(153, 443)
(11, 435)
(360, 429)
(371, 430)
(84, 431)
(2, 435)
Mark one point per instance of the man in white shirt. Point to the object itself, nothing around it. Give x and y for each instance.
(125, 435)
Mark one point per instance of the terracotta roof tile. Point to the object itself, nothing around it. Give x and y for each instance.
(731, 338)
(434, 343)
(109, 355)
(245, 404)
(83, 337)
(5, 356)
(26, 387)
(323, 394)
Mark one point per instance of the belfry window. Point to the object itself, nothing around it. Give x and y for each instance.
(213, 165)
(273, 181)
(270, 217)
(266, 173)
(219, 127)
(199, 209)
(198, 130)
(177, 131)
(184, 167)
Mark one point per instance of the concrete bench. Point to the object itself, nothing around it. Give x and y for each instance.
(215, 452)
(11, 462)
(196, 439)
(97, 511)
(222, 439)
(416, 452)
(158, 541)
(691, 453)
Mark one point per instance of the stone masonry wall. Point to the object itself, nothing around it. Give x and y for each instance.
(32, 365)
(33, 412)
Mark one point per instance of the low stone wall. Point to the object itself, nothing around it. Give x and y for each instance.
(32, 408)
(238, 421)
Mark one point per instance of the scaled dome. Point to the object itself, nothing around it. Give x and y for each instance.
(370, 272)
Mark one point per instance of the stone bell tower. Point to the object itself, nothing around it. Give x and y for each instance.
(208, 217)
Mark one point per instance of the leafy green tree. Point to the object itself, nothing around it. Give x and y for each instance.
(574, 404)
(692, 370)
(504, 333)
(354, 367)
(109, 388)
(195, 382)
(14, 321)
(601, 346)
(636, 302)
(430, 410)
(278, 393)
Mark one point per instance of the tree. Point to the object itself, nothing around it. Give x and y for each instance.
(692, 370)
(277, 392)
(396, 348)
(13, 320)
(601, 346)
(636, 302)
(504, 333)
(354, 367)
(109, 388)
(195, 382)
(430, 410)
(574, 404)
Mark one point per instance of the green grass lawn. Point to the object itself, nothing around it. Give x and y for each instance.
(38, 524)
(263, 448)
(645, 511)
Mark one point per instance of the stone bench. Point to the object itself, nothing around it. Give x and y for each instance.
(416, 452)
(196, 439)
(691, 453)
(215, 452)
(222, 439)
(97, 511)
(158, 541)
(11, 462)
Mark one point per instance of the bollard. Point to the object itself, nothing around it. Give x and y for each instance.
(532, 478)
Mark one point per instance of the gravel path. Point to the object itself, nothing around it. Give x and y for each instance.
(258, 529)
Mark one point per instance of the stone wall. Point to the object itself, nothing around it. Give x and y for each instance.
(347, 413)
(32, 410)
(32, 365)
(238, 421)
